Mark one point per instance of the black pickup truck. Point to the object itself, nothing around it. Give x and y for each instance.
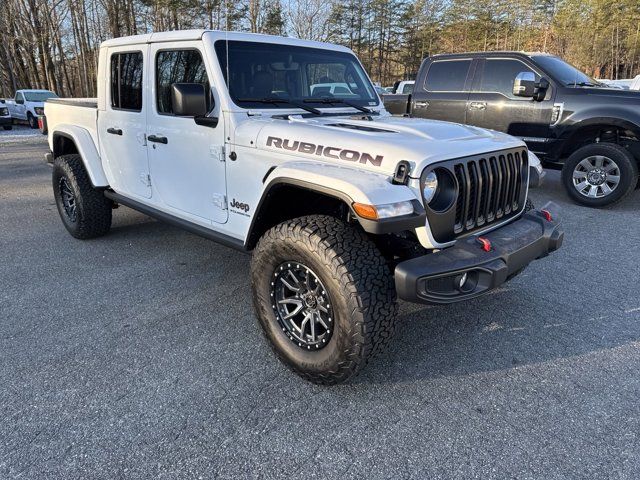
(567, 118)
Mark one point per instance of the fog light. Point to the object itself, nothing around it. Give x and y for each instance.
(462, 280)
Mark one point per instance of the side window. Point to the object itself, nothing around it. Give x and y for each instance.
(19, 98)
(498, 75)
(126, 81)
(179, 66)
(447, 75)
(407, 89)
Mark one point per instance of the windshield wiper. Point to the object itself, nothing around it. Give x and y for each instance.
(332, 100)
(274, 100)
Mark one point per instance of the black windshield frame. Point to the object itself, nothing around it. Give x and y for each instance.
(246, 56)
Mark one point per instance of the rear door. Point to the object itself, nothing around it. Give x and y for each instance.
(441, 93)
(492, 104)
(188, 163)
(121, 127)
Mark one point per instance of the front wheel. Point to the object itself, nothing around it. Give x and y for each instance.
(33, 122)
(600, 174)
(324, 296)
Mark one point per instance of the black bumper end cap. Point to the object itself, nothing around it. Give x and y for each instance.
(433, 278)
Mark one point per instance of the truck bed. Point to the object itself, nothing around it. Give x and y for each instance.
(72, 112)
(396, 103)
(76, 102)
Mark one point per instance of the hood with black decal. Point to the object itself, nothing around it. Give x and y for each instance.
(376, 144)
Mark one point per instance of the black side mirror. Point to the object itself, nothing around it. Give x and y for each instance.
(524, 85)
(19, 101)
(540, 90)
(188, 99)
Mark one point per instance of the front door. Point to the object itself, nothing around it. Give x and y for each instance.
(491, 103)
(121, 127)
(187, 162)
(20, 107)
(441, 94)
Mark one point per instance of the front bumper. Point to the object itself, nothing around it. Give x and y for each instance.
(5, 121)
(439, 278)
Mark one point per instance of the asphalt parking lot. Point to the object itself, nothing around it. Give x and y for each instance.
(137, 355)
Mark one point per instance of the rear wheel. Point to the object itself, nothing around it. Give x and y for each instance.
(85, 211)
(324, 296)
(600, 174)
(8, 127)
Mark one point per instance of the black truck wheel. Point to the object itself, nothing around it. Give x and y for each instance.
(600, 174)
(8, 127)
(324, 296)
(33, 122)
(85, 211)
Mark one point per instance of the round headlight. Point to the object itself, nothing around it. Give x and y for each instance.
(429, 186)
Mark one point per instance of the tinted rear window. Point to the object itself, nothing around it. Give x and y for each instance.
(126, 81)
(447, 75)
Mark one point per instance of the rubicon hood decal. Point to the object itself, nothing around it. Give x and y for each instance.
(325, 151)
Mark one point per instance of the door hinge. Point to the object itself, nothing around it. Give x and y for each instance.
(146, 179)
(218, 151)
(220, 201)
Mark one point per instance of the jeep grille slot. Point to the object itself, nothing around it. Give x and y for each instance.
(491, 188)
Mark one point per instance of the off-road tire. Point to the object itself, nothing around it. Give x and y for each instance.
(8, 127)
(358, 280)
(93, 209)
(32, 121)
(621, 156)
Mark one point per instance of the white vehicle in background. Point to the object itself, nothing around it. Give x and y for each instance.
(333, 89)
(635, 83)
(403, 87)
(5, 116)
(344, 207)
(28, 105)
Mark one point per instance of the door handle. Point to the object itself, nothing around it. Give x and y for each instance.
(114, 131)
(421, 104)
(478, 105)
(157, 139)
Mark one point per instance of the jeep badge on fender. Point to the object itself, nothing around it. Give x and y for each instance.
(313, 192)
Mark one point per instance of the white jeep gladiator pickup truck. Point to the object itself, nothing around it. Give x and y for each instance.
(28, 105)
(344, 207)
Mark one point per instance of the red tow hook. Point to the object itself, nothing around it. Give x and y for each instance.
(547, 215)
(486, 244)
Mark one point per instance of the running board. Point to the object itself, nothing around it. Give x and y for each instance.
(194, 228)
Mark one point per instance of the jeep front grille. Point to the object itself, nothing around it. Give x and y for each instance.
(490, 188)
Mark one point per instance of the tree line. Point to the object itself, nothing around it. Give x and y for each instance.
(53, 44)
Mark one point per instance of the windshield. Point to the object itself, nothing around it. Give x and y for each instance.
(562, 71)
(260, 71)
(38, 96)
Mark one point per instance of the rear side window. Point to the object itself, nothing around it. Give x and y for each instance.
(178, 66)
(447, 75)
(498, 75)
(126, 81)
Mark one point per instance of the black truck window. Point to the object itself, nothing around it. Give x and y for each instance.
(178, 66)
(498, 75)
(126, 81)
(447, 75)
